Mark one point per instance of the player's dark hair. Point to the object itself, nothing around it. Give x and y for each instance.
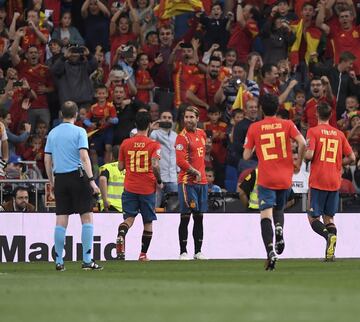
(69, 110)
(142, 120)
(266, 69)
(269, 104)
(323, 111)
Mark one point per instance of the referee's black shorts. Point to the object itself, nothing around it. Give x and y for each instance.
(73, 193)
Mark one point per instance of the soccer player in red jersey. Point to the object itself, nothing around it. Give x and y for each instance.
(271, 140)
(140, 157)
(326, 146)
(193, 190)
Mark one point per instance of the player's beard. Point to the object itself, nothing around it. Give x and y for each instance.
(190, 126)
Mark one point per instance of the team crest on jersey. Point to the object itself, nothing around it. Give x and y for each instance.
(179, 147)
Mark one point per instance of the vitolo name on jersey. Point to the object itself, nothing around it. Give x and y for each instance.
(19, 250)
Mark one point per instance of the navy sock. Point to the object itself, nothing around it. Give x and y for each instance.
(267, 234)
(320, 228)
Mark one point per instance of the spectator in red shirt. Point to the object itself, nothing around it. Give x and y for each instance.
(144, 82)
(321, 92)
(201, 93)
(33, 35)
(122, 30)
(184, 68)
(37, 75)
(244, 31)
(344, 35)
(217, 129)
(101, 118)
(271, 83)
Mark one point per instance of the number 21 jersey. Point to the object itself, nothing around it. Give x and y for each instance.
(271, 139)
(137, 153)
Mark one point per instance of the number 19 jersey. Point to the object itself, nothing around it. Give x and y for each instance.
(329, 145)
(137, 153)
(271, 139)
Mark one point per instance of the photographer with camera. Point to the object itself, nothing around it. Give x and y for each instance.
(168, 170)
(228, 91)
(72, 72)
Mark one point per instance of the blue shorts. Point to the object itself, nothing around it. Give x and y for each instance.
(269, 198)
(134, 203)
(98, 141)
(193, 198)
(323, 202)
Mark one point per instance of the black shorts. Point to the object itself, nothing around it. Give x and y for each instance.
(73, 194)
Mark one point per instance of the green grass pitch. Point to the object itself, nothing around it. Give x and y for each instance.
(173, 291)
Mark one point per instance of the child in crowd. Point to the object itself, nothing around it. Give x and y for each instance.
(99, 120)
(144, 82)
(298, 108)
(210, 176)
(81, 117)
(352, 106)
(35, 152)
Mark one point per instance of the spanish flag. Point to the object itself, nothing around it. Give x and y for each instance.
(243, 95)
(169, 8)
(312, 37)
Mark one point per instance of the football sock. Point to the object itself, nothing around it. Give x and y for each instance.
(267, 234)
(59, 238)
(198, 231)
(123, 229)
(145, 240)
(331, 228)
(320, 228)
(278, 216)
(183, 232)
(87, 234)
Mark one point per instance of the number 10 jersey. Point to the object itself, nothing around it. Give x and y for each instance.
(137, 153)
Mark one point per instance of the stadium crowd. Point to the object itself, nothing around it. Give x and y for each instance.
(115, 58)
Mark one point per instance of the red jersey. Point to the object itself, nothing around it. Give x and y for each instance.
(271, 138)
(136, 153)
(31, 39)
(117, 40)
(205, 89)
(269, 89)
(38, 75)
(218, 148)
(241, 39)
(342, 40)
(329, 145)
(143, 77)
(101, 112)
(190, 151)
(183, 76)
(309, 116)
